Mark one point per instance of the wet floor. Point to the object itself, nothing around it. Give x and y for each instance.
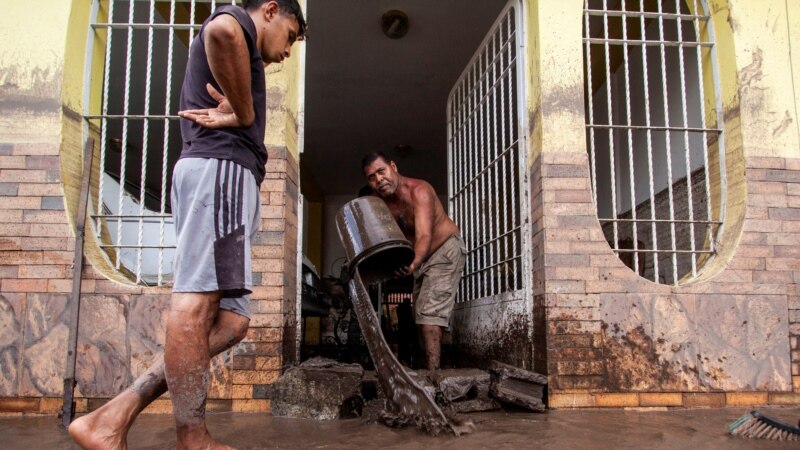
(562, 429)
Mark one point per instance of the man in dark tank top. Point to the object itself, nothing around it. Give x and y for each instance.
(223, 111)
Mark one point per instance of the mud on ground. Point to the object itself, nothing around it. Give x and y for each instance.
(560, 429)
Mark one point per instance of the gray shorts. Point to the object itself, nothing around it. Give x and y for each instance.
(436, 283)
(216, 206)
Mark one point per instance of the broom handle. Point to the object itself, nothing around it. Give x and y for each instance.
(68, 407)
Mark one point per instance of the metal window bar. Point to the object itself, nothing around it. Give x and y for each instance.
(687, 155)
(165, 144)
(125, 109)
(495, 151)
(668, 152)
(629, 123)
(589, 100)
(654, 43)
(145, 142)
(649, 134)
(516, 240)
(700, 78)
(486, 182)
(653, 141)
(136, 235)
(611, 159)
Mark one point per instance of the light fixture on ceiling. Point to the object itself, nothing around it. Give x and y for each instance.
(394, 24)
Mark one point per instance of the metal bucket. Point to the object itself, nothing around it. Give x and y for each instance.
(372, 240)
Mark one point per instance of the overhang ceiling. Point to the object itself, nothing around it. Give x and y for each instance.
(365, 91)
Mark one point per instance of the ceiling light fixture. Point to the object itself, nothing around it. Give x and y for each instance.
(394, 24)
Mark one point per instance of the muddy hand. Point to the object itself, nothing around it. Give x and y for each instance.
(220, 117)
(401, 271)
(404, 271)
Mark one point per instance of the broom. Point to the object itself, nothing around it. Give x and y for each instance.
(755, 425)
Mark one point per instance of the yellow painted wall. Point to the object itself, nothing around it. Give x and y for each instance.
(768, 105)
(793, 24)
(764, 32)
(32, 47)
(72, 124)
(31, 62)
(314, 237)
(312, 231)
(555, 76)
(285, 91)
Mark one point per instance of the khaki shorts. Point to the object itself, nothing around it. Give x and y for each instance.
(436, 283)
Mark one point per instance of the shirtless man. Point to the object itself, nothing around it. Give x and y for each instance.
(439, 251)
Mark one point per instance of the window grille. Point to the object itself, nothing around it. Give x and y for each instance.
(654, 133)
(145, 48)
(487, 174)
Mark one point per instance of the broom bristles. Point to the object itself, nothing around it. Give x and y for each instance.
(755, 425)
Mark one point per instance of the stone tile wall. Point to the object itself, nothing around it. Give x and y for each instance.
(121, 327)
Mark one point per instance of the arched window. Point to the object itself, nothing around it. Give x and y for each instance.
(654, 133)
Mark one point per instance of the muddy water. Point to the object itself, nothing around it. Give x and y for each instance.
(407, 402)
(558, 429)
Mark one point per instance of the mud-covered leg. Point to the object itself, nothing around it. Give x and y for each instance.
(186, 358)
(432, 344)
(108, 426)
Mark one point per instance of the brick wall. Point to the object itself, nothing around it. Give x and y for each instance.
(259, 358)
(614, 339)
(122, 327)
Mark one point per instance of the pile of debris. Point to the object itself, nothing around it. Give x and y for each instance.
(324, 389)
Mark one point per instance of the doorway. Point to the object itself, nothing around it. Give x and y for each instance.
(367, 89)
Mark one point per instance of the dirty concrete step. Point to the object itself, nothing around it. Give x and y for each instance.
(517, 386)
(319, 388)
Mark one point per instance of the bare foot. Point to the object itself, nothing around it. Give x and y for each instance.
(91, 432)
(106, 427)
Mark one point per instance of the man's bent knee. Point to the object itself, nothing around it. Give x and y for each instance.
(197, 305)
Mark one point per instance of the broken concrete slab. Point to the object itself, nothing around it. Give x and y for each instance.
(321, 389)
(465, 390)
(461, 384)
(517, 386)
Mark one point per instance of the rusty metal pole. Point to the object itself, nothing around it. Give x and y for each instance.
(68, 407)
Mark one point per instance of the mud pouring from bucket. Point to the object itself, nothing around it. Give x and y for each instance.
(375, 247)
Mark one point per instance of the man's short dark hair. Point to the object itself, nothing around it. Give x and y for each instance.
(290, 7)
(371, 157)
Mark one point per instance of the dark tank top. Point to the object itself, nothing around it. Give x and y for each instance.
(245, 146)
